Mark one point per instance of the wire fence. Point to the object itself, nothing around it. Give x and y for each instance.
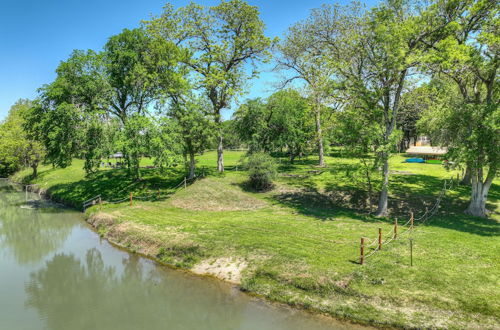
(152, 195)
(410, 226)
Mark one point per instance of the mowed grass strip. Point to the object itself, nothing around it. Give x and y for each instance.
(301, 245)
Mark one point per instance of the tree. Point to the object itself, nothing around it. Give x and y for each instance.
(18, 148)
(373, 54)
(252, 123)
(231, 138)
(469, 122)
(358, 133)
(221, 41)
(300, 55)
(91, 90)
(291, 125)
(138, 70)
(195, 125)
(136, 141)
(283, 122)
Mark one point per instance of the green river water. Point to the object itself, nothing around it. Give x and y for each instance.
(57, 273)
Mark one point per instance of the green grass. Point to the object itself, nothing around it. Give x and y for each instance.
(301, 240)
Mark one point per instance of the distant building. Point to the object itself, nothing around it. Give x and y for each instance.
(427, 152)
(422, 140)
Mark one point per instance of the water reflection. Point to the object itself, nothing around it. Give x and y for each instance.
(71, 294)
(30, 233)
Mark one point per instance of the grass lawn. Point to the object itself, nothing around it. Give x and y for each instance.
(299, 243)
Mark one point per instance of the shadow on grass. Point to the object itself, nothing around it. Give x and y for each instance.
(409, 193)
(116, 184)
(247, 186)
(310, 202)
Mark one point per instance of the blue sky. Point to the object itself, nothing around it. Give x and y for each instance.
(36, 35)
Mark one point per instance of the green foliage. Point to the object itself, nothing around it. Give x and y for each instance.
(466, 115)
(262, 170)
(196, 126)
(372, 54)
(135, 141)
(95, 95)
(283, 122)
(232, 140)
(220, 42)
(165, 145)
(251, 122)
(17, 147)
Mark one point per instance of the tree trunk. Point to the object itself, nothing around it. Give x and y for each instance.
(220, 155)
(220, 146)
(390, 116)
(191, 165)
(319, 135)
(466, 180)
(137, 170)
(383, 198)
(479, 193)
(35, 170)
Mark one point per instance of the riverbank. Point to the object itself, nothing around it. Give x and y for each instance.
(296, 245)
(66, 277)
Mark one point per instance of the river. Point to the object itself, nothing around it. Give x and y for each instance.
(57, 273)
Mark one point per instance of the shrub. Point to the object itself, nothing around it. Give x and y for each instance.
(262, 171)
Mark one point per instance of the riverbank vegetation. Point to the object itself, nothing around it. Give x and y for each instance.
(322, 163)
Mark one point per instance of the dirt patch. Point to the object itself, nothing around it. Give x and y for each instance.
(210, 195)
(228, 269)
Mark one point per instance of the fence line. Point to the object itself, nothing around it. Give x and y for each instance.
(423, 219)
(97, 199)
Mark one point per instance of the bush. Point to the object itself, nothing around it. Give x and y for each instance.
(262, 170)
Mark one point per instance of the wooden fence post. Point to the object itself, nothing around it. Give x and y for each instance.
(395, 228)
(362, 252)
(185, 183)
(380, 238)
(131, 198)
(411, 222)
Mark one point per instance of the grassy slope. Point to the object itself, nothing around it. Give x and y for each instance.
(302, 244)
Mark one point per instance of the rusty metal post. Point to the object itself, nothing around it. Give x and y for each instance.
(131, 198)
(395, 228)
